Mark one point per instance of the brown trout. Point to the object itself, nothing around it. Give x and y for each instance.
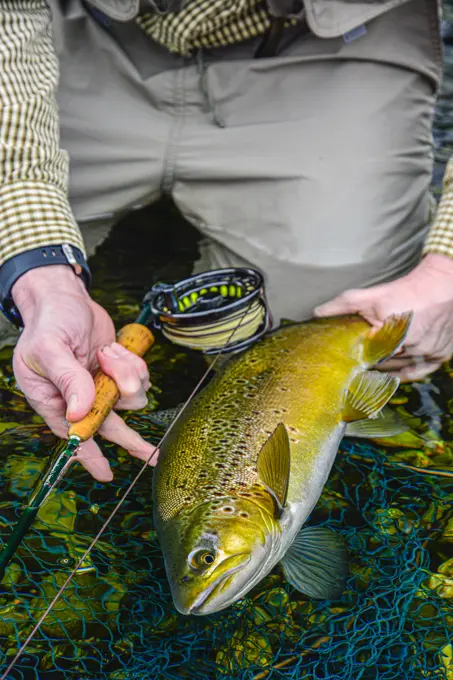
(245, 464)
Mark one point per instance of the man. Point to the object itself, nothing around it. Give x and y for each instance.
(295, 135)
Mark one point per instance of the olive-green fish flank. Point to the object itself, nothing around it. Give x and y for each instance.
(210, 452)
(207, 468)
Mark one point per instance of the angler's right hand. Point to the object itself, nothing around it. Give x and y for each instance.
(59, 348)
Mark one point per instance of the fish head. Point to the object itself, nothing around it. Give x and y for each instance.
(224, 548)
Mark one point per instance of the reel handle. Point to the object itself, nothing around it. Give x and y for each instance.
(135, 337)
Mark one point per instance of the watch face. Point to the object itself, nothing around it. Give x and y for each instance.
(10, 311)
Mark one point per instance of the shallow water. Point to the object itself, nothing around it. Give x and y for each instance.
(116, 619)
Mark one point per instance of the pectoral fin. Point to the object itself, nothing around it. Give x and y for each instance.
(387, 423)
(316, 563)
(158, 423)
(165, 417)
(274, 464)
(367, 394)
(382, 343)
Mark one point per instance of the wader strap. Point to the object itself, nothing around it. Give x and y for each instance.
(135, 43)
(270, 43)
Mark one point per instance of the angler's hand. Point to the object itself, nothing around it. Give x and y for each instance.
(64, 331)
(428, 291)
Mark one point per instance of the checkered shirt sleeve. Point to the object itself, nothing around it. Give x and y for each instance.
(34, 207)
(440, 236)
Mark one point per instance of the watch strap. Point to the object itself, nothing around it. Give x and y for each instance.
(16, 266)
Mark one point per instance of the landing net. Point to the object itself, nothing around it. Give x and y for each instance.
(116, 620)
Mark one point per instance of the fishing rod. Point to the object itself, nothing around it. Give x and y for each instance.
(198, 312)
(135, 337)
(203, 312)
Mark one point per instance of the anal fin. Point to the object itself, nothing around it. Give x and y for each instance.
(387, 423)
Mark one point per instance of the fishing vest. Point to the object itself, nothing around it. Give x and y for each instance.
(325, 18)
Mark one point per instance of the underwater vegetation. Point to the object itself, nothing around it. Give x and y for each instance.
(391, 500)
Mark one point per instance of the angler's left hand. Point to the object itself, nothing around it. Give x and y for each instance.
(427, 291)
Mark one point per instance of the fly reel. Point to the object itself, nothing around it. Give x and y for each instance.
(224, 310)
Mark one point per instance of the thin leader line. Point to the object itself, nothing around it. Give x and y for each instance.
(120, 503)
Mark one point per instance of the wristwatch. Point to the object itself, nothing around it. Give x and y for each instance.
(16, 266)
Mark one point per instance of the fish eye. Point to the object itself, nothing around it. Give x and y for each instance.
(200, 559)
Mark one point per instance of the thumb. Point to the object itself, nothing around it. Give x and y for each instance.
(350, 302)
(73, 381)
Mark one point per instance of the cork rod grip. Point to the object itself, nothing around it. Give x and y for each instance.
(137, 339)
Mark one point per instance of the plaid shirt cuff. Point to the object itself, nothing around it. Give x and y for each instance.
(440, 236)
(33, 214)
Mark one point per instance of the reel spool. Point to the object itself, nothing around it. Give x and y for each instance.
(203, 311)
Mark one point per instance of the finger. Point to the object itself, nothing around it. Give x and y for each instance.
(115, 430)
(42, 396)
(91, 458)
(140, 364)
(74, 382)
(89, 454)
(53, 412)
(397, 363)
(125, 372)
(346, 303)
(412, 373)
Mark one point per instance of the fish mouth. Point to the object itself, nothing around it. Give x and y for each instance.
(220, 584)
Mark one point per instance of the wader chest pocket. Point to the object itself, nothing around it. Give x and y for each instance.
(334, 18)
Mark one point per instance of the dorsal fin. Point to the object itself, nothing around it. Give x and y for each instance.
(274, 462)
(382, 343)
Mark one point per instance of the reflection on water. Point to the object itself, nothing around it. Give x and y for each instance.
(392, 502)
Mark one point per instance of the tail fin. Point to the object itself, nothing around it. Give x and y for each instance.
(381, 344)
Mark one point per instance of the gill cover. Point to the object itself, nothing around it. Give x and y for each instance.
(214, 553)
